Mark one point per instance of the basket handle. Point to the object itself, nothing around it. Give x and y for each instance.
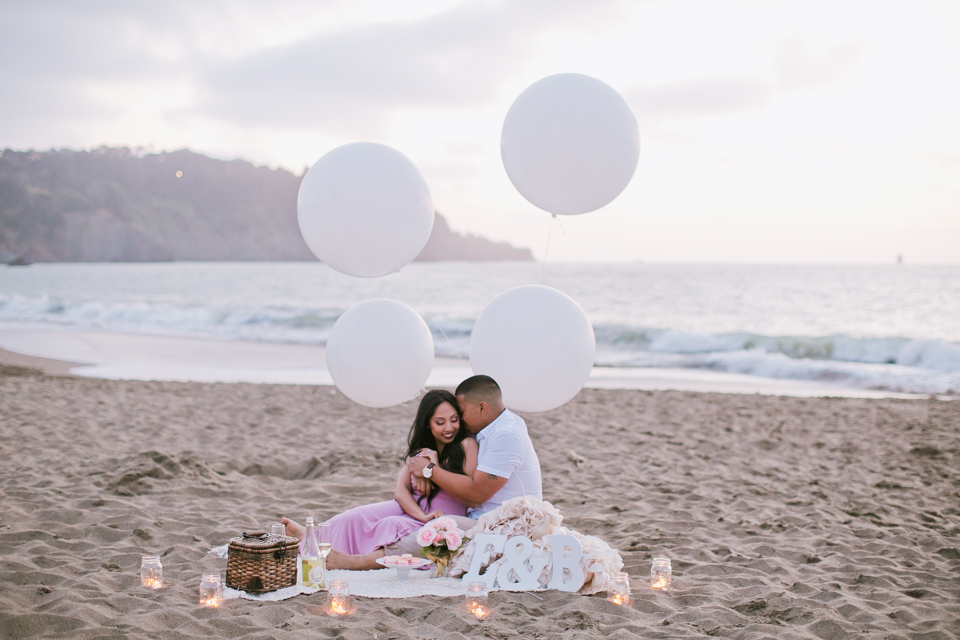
(254, 534)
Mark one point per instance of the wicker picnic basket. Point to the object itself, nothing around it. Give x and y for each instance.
(259, 562)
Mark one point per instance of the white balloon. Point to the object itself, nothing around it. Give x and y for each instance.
(365, 210)
(570, 144)
(538, 345)
(380, 353)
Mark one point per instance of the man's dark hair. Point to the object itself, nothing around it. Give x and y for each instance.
(480, 388)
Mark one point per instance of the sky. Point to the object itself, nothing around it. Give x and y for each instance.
(771, 132)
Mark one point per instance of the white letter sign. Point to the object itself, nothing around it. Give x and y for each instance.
(515, 556)
(513, 574)
(488, 544)
(562, 564)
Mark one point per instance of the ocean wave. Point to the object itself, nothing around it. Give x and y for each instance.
(886, 363)
(620, 344)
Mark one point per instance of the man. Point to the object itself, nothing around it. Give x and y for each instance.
(507, 467)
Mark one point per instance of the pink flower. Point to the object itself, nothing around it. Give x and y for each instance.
(446, 524)
(437, 538)
(453, 539)
(425, 536)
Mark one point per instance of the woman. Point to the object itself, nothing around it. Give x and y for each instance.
(437, 434)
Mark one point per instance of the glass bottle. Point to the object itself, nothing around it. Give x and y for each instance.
(311, 564)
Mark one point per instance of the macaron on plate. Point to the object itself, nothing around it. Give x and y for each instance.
(402, 564)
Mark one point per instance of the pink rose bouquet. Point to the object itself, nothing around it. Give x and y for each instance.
(440, 538)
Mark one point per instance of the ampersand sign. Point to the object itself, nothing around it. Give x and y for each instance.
(516, 554)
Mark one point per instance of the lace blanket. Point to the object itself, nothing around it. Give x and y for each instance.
(381, 583)
(533, 518)
(525, 516)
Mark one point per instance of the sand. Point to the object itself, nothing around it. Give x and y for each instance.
(784, 517)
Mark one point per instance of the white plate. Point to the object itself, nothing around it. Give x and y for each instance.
(403, 571)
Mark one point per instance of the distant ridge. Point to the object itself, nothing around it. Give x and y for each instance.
(115, 205)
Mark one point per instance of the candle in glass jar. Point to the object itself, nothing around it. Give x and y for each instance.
(151, 572)
(619, 592)
(211, 590)
(477, 600)
(339, 602)
(661, 575)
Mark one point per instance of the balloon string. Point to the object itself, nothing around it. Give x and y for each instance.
(423, 306)
(546, 251)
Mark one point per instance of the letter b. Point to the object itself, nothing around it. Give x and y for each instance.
(563, 564)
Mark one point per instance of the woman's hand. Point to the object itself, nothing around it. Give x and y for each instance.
(430, 454)
(422, 486)
(432, 516)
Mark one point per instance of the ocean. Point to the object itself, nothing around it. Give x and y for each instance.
(871, 328)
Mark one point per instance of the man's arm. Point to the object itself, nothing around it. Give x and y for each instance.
(472, 490)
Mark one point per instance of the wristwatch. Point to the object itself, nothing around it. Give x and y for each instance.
(428, 471)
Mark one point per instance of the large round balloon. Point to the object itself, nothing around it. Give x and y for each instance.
(365, 210)
(380, 353)
(570, 144)
(538, 345)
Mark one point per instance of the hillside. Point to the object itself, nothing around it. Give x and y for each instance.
(114, 205)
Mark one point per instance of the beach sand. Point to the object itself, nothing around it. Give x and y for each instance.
(784, 517)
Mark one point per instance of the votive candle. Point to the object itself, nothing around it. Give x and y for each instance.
(211, 590)
(339, 602)
(661, 575)
(151, 572)
(477, 601)
(619, 592)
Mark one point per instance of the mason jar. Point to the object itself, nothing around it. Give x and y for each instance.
(151, 572)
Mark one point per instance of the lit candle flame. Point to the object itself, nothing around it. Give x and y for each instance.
(339, 606)
(212, 601)
(660, 583)
(151, 583)
(619, 598)
(478, 610)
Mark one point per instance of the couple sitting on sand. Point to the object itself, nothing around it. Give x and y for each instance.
(449, 471)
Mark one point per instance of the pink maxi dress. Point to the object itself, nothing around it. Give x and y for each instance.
(364, 529)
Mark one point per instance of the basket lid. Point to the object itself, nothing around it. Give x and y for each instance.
(260, 540)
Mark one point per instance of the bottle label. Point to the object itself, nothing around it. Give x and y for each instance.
(312, 571)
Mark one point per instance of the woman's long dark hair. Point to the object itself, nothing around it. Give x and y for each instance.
(453, 457)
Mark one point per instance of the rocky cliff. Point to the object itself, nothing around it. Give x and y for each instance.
(112, 204)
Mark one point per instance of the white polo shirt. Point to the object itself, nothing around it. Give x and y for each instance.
(506, 451)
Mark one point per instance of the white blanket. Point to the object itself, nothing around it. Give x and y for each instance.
(381, 583)
(526, 516)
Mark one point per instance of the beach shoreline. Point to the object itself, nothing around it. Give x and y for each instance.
(784, 516)
(47, 366)
(145, 357)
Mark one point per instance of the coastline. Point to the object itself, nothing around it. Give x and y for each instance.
(784, 516)
(144, 357)
(47, 366)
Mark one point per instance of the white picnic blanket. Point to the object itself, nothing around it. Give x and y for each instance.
(380, 583)
(524, 516)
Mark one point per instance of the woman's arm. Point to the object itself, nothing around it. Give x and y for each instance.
(471, 448)
(404, 497)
